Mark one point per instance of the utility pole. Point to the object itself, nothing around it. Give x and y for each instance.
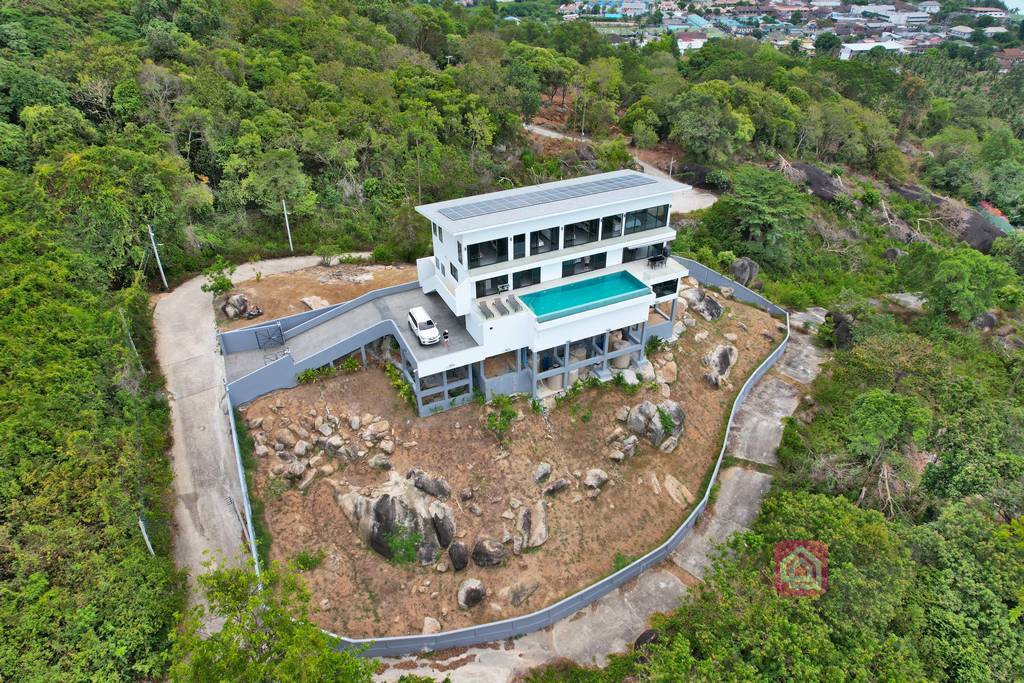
(583, 124)
(287, 226)
(156, 252)
(670, 164)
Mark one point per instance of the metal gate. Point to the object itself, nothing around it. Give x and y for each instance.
(269, 337)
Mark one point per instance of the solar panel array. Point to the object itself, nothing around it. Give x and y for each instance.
(519, 201)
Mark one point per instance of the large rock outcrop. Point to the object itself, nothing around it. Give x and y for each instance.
(398, 507)
(743, 270)
(657, 423)
(697, 300)
(719, 362)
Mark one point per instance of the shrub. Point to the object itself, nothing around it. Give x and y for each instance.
(218, 277)
(500, 418)
(667, 423)
(314, 374)
(403, 544)
(653, 345)
(399, 382)
(307, 561)
(351, 364)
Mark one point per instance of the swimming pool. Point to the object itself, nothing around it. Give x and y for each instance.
(577, 297)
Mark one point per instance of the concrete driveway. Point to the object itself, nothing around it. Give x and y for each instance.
(208, 513)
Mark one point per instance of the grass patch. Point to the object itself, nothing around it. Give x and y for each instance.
(307, 561)
(403, 544)
(620, 561)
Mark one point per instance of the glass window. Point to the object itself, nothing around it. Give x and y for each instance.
(543, 241)
(581, 233)
(611, 226)
(488, 253)
(647, 219)
(642, 252)
(525, 278)
(519, 246)
(492, 285)
(665, 288)
(440, 235)
(584, 264)
(454, 271)
(458, 246)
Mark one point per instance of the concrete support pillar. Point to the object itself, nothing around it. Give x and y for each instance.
(535, 363)
(604, 363)
(674, 302)
(565, 367)
(362, 354)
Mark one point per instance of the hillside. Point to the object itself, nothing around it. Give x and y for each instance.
(200, 118)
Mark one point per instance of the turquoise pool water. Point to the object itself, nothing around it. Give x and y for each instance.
(584, 295)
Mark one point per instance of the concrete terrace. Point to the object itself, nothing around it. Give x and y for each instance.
(389, 307)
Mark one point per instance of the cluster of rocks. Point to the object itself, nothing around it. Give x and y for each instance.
(659, 424)
(306, 446)
(235, 306)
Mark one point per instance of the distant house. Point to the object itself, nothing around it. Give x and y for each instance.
(908, 18)
(569, 8)
(994, 12)
(993, 31)
(1010, 58)
(962, 32)
(850, 50)
(929, 6)
(691, 40)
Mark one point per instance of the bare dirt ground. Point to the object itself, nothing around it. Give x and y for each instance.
(358, 593)
(280, 295)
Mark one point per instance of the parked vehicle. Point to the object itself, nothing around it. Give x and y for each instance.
(423, 327)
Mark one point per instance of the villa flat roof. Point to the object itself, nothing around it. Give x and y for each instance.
(467, 214)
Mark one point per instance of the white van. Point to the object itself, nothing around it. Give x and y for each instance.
(423, 327)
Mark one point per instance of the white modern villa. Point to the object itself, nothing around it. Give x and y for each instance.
(536, 287)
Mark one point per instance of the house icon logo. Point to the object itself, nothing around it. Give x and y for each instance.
(801, 568)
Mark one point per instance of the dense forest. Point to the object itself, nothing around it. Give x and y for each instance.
(199, 118)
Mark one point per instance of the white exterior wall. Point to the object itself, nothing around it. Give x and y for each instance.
(460, 297)
(572, 328)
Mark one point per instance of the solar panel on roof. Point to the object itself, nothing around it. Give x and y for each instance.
(520, 201)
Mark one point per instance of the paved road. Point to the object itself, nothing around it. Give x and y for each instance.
(682, 202)
(207, 493)
(612, 623)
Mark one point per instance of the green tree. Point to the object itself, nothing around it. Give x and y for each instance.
(218, 277)
(964, 283)
(706, 126)
(644, 136)
(266, 633)
(760, 215)
(827, 43)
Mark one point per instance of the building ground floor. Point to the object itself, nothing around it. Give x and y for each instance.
(273, 355)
